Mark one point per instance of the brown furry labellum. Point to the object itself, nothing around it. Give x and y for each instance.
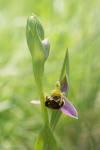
(54, 102)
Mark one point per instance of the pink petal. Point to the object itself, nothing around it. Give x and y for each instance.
(64, 85)
(69, 109)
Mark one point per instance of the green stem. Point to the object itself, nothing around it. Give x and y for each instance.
(44, 110)
(39, 85)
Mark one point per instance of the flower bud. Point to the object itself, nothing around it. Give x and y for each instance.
(38, 47)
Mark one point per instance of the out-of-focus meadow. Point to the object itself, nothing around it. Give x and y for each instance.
(68, 24)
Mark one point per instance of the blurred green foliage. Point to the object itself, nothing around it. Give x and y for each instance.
(67, 23)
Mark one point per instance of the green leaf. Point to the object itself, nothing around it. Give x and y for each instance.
(63, 79)
(39, 142)
(46, 140)
(64, 76)
(54, 119)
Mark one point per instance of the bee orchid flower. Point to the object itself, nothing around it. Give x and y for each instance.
(58, 101)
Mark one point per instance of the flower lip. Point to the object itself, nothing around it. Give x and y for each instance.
(54, 102)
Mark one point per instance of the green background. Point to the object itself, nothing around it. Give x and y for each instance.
(67, 24)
